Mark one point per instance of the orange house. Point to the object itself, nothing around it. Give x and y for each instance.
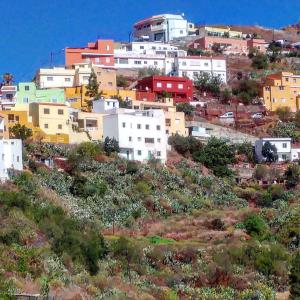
(100, 53)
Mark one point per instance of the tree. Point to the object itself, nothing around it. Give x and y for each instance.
(295, 278)
(274, 52)
(297, 119)
(226, 95)
(216, 155)
(292, 176)
(206, 82)
(128, 252)
(111, 145)
(261, 172)
(217, 48)
(246, 90)
(19, 131)
(150, 71)
(7, 79)
(284, 113)
(269, 151)
(285, 129)
(255, 225)
(187, 108)
(185, 145)
(260, 61)
(122, 81)
(92, 89)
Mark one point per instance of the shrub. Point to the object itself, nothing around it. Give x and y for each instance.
(111, 145)
(292, 176)
(261, 172)
(216, 155)
(295, 277)
(255, 225)
(217, 224)
(185, 145)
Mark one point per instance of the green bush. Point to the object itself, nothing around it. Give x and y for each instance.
(255, 226)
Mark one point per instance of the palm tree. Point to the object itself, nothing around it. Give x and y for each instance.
(7, 79)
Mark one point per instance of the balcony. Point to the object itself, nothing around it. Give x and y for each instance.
(161, 27)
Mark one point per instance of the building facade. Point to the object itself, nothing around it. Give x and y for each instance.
(164, 28)
(10, 157)
(192, 66)
(280, 90)
(283, 146)
(8, 96)
(100, 53)
(154, 87)
(141, 134)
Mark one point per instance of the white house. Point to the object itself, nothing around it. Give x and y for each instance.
(57, 77)
(8, 96)
(153, 48)
(105, 105)
(165, 28)
(10, 157)
(191, 66)
(283, 146)
(141, 134)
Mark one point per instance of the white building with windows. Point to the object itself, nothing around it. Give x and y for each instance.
(105, 105)
(283, 146)
(165, 28)
(141, 134)
(191, 66)
(8, 96)
(10, 157)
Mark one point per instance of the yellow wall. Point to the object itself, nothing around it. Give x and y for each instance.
(281, 89)
(51, 118)
(121, 93)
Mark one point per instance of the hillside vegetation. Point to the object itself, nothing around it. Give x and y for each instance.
(106, 228)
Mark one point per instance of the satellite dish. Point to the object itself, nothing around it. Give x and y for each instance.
(182, 14)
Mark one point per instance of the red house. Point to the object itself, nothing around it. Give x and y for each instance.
(154, 87)
(99, 53)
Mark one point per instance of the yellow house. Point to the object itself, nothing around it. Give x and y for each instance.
(281, 89)
(91, 123)
(52, 119)
(175, 121)
(4, 132)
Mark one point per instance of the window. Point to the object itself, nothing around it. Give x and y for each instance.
(97, 59)
(139, 139)
(130, 139)
(195, 73)
(110, 83)
(284, 157)
(26, 87)
(181, 31)
(149, 140)
(284, 145)
(137, 62)
(18, 158)
(123, 61)
(85, 78)
(184, 63)
(107, 60)
(59, 126)
(139, 152)
(157, 127)
(49, 78)
(155, 63)
(107, 48)
(177, 121)
(147, 127)
(281, 88)
(46, 111)
(124, 125)
(158, 153)
(139, 126)
(286, 79)
(60, 111)
(46, 126)
(142, 47)
(169, 85)
(274, 100)
(54, 100)
(180, 86)
(267, 88)
(3, 156)
(67, 79)
(158, 140)
(295, 80)
(206, 64)
(145, 62)
(159, 84)
(25, 100)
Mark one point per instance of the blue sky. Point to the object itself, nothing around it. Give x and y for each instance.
(31, 29)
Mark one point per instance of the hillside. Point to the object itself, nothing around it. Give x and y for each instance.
(110, 229)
